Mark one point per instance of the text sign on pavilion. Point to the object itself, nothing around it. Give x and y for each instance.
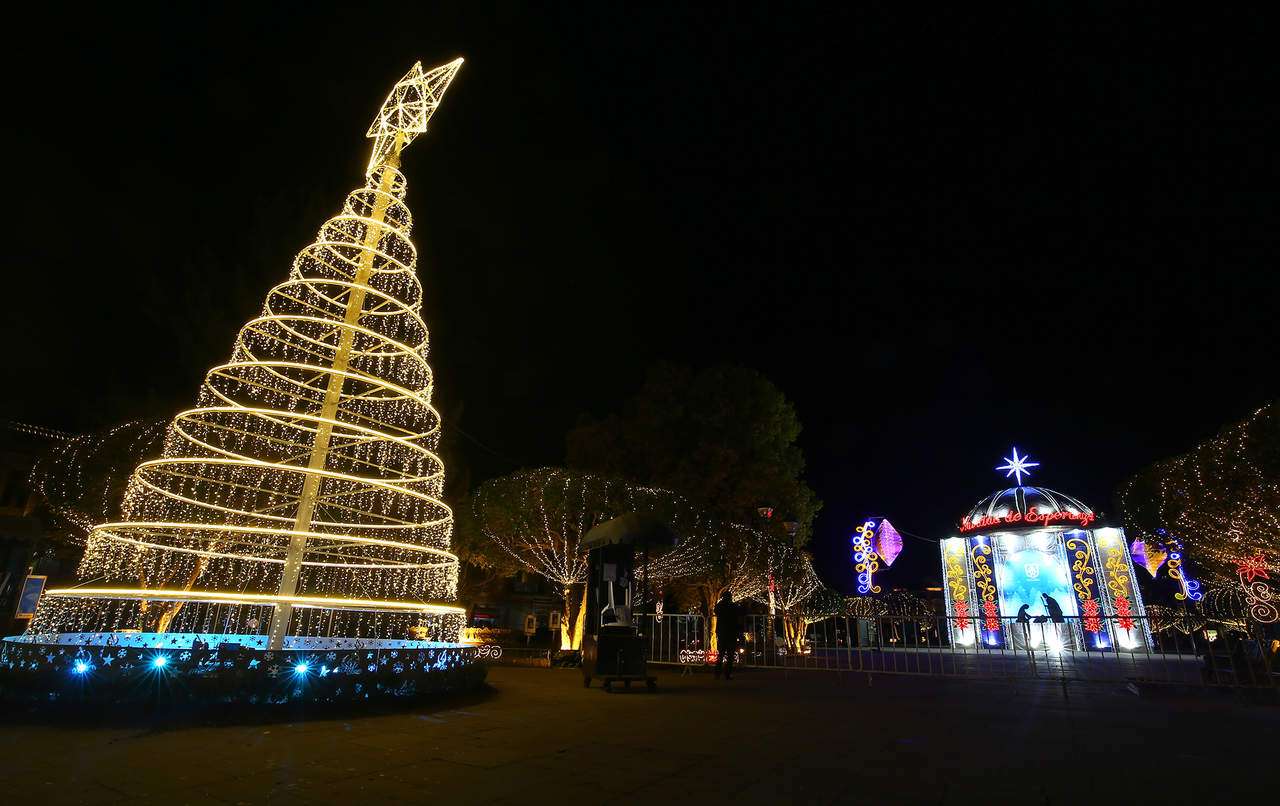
(1020, 466)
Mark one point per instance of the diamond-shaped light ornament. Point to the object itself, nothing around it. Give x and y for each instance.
(888, 543)
(1149, 557)
(408, 108)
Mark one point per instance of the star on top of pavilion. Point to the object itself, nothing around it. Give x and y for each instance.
(1018, 464)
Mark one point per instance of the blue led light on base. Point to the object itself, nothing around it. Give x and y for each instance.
(127, 669)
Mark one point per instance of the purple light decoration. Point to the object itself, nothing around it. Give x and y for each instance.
(1151, 559)
(888, 543)
(1138, 551)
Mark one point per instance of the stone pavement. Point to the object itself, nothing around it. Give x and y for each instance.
(802, 737)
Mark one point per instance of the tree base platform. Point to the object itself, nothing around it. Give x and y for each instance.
(164, 669)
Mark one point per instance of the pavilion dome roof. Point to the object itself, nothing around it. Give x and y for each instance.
(1002, 504)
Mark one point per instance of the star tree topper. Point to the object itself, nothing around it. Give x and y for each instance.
(408, 108)
(1018, 465)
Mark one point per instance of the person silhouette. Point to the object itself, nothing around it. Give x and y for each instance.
(1024, 618)
(1053, 608)
(727, 631)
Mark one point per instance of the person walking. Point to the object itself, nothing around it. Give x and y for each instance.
(727, 631)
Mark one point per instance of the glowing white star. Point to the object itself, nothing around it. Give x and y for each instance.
(1018, 465)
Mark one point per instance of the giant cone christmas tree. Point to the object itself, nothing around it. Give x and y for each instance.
(302, 495)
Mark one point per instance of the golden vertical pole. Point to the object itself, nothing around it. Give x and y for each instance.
(333, 396)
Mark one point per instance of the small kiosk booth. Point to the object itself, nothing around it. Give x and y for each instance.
(613, 640)
(1033, 569)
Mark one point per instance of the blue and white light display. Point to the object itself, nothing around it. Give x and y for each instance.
(1033, 570)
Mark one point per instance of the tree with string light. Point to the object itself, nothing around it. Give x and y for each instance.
(538, 518)
(723, 557)
(82, 481)
(790, 582)
(1219, 506)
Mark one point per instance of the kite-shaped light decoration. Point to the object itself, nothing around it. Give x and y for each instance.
(888, 543)
(1149, 557)
(304, 490)
(408, 108)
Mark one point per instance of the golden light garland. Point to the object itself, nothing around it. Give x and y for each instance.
(306, 476)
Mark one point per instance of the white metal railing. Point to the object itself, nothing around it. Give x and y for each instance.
(1105, 648)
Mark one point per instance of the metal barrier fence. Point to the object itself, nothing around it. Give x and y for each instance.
(1102, 648)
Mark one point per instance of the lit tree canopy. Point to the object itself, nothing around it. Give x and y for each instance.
(724, 437)
(824, 603)
(789, 575)
(1221, 500)
(82, 481)
(863, 607)
(719, 557)
(895, 604)
(906, 605)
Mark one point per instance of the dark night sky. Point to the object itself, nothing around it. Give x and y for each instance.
(940, 235)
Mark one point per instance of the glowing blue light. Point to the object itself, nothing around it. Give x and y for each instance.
(301, 668)
(160, 661)
(81, 667)
(1017, 465)
(863, 552)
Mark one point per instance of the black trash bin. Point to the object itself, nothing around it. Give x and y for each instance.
(615, 654)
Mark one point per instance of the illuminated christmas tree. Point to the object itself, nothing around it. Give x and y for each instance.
(302, 495)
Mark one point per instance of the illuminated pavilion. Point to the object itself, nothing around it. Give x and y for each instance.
(1032, 568)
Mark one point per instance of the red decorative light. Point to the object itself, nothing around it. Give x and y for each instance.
(1033, 516)
(962, 614)
(1250, 568)
(992, 619)
(1091, 621)
(1126, 615)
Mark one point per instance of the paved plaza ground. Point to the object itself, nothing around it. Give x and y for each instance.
(805, 737)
